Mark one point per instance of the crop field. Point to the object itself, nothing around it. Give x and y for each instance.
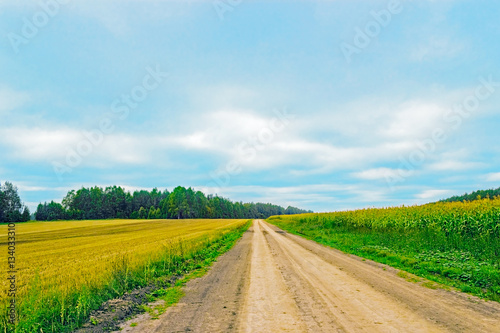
(457, 243)
(67, 269)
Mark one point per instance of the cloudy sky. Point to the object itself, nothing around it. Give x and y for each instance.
(323, 105)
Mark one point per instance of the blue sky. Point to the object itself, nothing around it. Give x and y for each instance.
(326, 105)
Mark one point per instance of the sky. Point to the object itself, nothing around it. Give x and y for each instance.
(323, 105)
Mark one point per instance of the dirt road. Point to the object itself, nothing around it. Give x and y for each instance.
(272, 281)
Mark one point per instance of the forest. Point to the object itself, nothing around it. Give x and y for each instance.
(491, 193)
(182, 203)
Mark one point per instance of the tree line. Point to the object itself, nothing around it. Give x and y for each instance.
(12, 208)
(182, 203)
(491, 193)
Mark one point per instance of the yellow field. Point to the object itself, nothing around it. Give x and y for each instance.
(67, 255)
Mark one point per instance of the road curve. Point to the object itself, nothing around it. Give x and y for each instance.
(272, 281)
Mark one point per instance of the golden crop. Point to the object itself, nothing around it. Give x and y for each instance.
(61, 257)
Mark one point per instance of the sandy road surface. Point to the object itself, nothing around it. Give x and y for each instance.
(273, 281)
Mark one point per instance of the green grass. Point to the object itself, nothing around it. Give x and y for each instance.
(171, 295)
(469, 265)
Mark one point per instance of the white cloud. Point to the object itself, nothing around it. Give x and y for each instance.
(452, 165)
(23, 186)
(359, 121)
(286, 190)
(126, 148)
(415, 120)
(331, 197)
(390, 130)
(456, 160)
(222, 133)
(365, 195)
(379, 173)
(38, 144)
(221, 130)
(47, 145)
(493, 177)
(299, 196)
(433, 194)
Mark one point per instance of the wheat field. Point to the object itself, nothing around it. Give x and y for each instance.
(57, 260)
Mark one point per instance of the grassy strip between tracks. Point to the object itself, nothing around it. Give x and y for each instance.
(469, 264)
(43, 310)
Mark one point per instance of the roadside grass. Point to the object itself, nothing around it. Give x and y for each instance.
(45, 306)
(470, 264)
(171, 295)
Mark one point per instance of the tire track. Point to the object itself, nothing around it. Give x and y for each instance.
(272, 281)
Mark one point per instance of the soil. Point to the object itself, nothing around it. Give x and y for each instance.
(115, 311)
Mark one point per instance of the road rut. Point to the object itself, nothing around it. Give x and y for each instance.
(272, 281)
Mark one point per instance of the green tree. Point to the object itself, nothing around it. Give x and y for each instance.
(26, 216)
(181, 203)
(164, 209)
(2, 204)
(69, 200)
(50, 212)
(154, 213)
(177, 203)
(11, 202)
(143, 213)
(41, 212)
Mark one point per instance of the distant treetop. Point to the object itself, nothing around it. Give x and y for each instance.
(480, 194)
